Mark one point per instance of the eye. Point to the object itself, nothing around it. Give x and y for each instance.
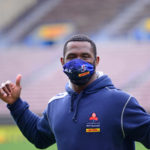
(85, 56)
(71, 56)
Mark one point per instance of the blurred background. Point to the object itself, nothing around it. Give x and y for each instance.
(32, 34)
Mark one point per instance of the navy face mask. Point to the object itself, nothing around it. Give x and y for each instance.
(79, 71)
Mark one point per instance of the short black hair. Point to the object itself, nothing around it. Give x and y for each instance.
(80, 38)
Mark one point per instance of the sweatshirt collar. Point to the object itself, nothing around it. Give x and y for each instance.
(77, 96)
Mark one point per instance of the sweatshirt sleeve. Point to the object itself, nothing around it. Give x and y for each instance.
(36, 129)
(136, 123)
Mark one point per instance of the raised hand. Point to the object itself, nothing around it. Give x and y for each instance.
(10, 92)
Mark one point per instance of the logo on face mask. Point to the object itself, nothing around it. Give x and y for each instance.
(83, 74)
(79, 71)
(83, 68)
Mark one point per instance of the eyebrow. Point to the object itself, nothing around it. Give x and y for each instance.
(84, 53)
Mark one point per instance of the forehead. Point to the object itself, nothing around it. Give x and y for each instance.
(77, 46)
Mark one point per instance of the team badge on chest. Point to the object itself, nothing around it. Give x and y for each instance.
(93, 124)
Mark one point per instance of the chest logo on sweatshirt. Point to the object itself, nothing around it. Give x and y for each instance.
(93, 124)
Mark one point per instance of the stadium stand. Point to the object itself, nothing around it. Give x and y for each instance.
(143, 95)
(87, 16)
(10, 10)
(127, 65)
(139, 10)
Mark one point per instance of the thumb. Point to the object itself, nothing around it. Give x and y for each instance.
(18, 79)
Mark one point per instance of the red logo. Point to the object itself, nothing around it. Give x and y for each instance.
(93, 117)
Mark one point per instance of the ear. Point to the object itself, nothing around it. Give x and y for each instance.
(62, 60)
(97, 60)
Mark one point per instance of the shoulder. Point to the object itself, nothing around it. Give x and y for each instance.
(124, 101)
(58, 96)
(117, 93)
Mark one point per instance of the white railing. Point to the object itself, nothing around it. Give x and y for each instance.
(125, 17)
(30, 20)
(11, 9)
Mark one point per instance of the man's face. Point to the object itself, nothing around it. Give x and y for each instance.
(81, 50)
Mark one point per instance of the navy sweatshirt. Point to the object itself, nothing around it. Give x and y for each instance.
(100, 118)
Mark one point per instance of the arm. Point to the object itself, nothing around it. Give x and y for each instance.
(136, 123)
(35, 128)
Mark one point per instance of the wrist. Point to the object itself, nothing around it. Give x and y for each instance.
(14, 104)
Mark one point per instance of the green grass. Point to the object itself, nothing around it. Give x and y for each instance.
(139, 146)
(12, 139)
(28, 146)
(22, 146)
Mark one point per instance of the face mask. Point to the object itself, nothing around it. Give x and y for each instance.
(79, 71)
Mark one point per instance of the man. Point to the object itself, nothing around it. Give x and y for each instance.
(91, 114)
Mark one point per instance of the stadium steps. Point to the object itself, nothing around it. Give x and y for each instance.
(128, 66)
(137, 20)
(10, 10)
(33, 65)
(87, 16)
(25, 22)
(43, 77)
(129, 19)
(142, 94)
